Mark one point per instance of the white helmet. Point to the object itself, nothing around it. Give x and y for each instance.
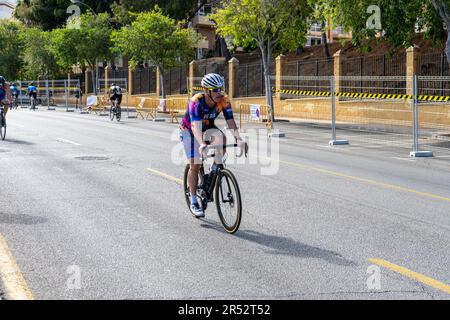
(212, 81)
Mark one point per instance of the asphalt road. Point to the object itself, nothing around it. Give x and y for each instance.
(84, 218)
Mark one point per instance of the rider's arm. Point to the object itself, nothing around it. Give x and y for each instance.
(196, 114)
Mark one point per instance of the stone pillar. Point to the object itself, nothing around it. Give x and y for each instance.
(338, 57)
(411, 57)
(106, 79)
(233, 78)
(191, 76)
(130, 81)
(279, 62)
(158, 83)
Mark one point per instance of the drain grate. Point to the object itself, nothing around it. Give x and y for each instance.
(92, 158)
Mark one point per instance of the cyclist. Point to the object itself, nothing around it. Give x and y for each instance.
(5, 95)
(15, 94)
(197, 130)
(32, 92)
(115, 93)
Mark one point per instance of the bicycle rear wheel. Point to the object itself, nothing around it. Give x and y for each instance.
(2, 126)
(119, 114)
(228, 201)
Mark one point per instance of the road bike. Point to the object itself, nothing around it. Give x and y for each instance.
(15, 103)
(2, 122)
(115, 111)
(219, 185)
(32, 103)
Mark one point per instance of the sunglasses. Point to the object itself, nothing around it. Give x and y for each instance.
(215, 90)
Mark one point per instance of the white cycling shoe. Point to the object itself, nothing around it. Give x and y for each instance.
(197, 210)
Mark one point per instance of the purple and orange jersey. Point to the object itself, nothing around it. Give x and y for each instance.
(198, 110)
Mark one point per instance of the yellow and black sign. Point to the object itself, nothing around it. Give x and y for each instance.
(366, 95)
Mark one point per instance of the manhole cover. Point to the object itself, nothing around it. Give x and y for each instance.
(92, 158)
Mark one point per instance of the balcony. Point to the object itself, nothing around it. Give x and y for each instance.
(202, 21)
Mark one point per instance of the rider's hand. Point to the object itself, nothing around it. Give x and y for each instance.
(202, 148)
(242, 145)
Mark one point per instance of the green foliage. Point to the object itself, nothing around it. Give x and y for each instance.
(84, 46)
(11, 46)
(157, 38)
(264, 22)
(39, 60)
(400, 19)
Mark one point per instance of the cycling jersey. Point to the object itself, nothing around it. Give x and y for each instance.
(116, 90)
(32, 89)
(2, 92)
(14, 91)
(198, 110)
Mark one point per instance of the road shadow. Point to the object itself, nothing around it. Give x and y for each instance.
(24, 219)
(278, 245)
(20, 142)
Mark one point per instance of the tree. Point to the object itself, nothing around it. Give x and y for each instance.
(52, 14)
(400, 19)
(85, 46)
(39, 60)
(158, 39)
(268, 23)
(10, 48)
(443, 8)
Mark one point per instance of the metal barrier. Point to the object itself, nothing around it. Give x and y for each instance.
(105, 84)
(53, 93)
(389, 113)
(432, 112)
(254, 113)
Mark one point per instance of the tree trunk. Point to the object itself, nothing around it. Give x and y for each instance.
(326, 50)
(93, 77)
(224, 49)
(444, 12)
(266, 55)
(161, 81)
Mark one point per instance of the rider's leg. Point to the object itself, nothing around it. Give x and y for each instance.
(193, 179)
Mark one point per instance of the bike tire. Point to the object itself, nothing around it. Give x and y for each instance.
(187, 192)
(111, 114)
(119, 114)
(227, 176)
(2, 127)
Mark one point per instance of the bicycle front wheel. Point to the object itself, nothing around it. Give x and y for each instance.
(2, 127)
(228, 201)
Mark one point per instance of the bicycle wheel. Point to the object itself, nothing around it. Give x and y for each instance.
(2, 127)
(228, 201)
(119, 114)
(187, 192)
(111, 113)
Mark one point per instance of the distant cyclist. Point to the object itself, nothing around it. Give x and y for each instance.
(32, 92)
(5, 95)
(115, 93)
(15, 94)
(197, 129)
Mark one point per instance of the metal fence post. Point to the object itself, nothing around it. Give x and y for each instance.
(66, 97)
(48, 95)
(415, 105)
(334, 141)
